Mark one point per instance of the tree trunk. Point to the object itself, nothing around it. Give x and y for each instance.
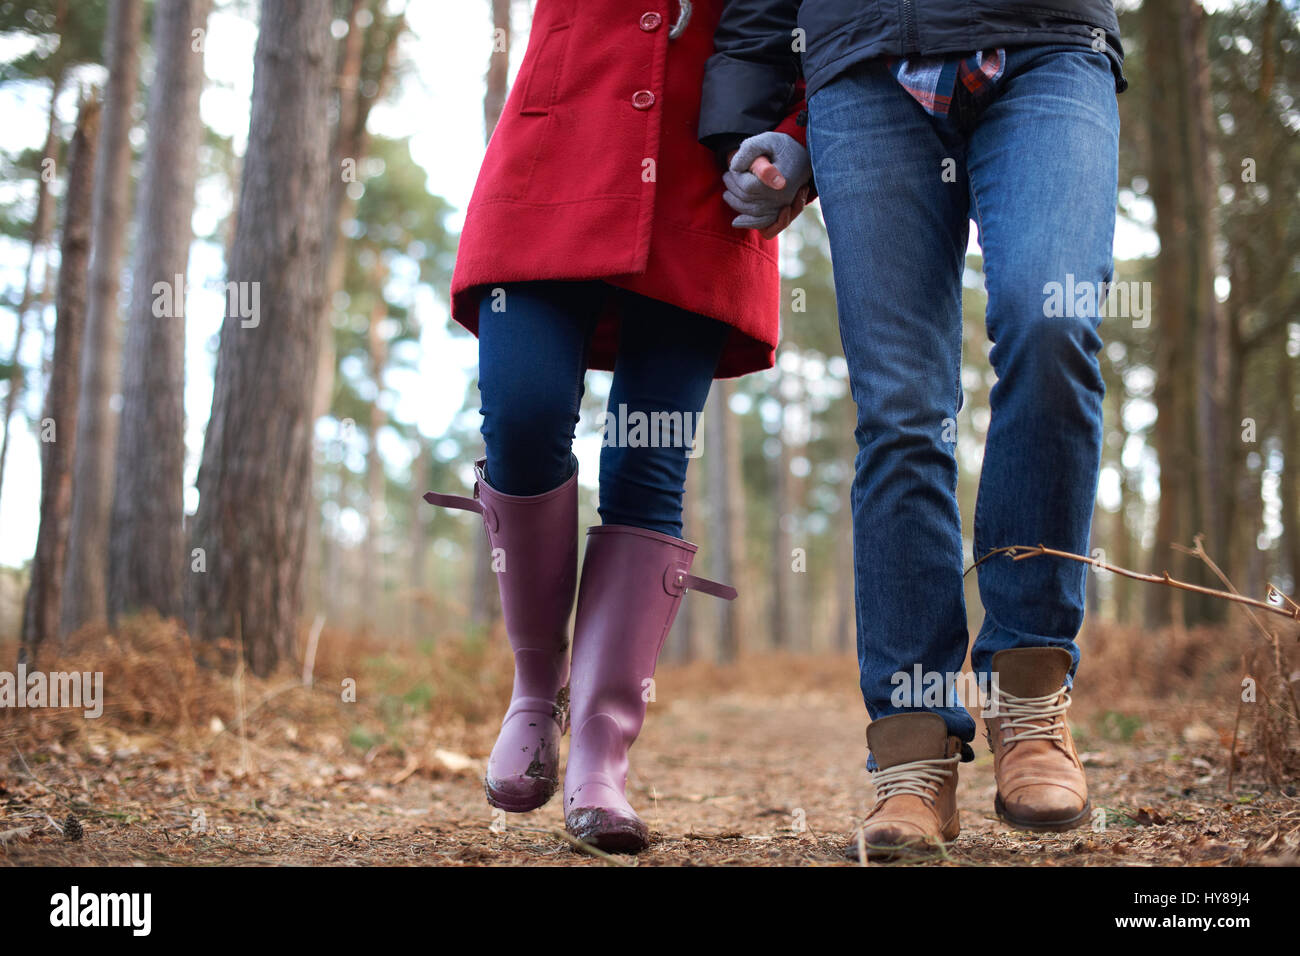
(59, 418)
(1289, 486)
(359, 85)
(42, 225)
(333, 596)
(418, 619)
(351, 142)
(147, 563)
(1234, 558)
(780, 569)
(1121, 549)
(256, 468)
(1189, 327)
(1216, 354)
(347, 84)
(377, 349)
(801, 616)
(498, 71)
(85, 596)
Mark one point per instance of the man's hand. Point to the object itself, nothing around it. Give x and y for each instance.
(767, 182)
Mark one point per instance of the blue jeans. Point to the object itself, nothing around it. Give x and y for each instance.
(1034, 162)
(532, 359)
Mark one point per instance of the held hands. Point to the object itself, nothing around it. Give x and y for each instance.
(767, 182)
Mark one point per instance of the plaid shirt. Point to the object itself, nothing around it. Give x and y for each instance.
(932, 81)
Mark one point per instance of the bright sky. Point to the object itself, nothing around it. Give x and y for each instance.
(439, 106)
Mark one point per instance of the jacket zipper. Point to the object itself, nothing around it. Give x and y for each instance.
(910, 40)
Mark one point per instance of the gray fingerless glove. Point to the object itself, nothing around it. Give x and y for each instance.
(758, 203)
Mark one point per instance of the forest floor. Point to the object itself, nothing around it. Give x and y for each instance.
(760, 765)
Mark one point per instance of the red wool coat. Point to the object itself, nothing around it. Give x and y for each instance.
(594, 172)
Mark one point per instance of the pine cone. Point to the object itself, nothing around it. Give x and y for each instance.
(72, 829)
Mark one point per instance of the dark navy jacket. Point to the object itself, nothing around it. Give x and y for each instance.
(752, 77)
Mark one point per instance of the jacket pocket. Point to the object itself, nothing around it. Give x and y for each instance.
(543, 75)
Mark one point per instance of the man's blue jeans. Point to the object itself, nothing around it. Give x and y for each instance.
(1034, 163)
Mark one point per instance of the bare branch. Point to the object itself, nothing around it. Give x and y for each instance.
(1018, 552)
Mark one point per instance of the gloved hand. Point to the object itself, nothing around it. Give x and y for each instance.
(758, 202)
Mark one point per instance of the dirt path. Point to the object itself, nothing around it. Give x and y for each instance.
(722, 777)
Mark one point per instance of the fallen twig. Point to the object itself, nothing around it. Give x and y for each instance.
(309, 658)
(600, 854)
(17, 833)
(577, 844)
(725, 835)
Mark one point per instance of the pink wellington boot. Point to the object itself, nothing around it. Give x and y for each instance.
(632, 584)
(537, 538)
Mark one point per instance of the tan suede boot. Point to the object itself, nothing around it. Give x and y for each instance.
(1041, 785)
(916, 788)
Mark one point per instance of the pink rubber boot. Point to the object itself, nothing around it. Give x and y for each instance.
(534, 543)
(632, 584)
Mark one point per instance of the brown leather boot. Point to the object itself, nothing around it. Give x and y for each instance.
(1041, 785)
(916, 788)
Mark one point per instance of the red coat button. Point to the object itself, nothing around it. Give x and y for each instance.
(643, 99)
(650, 21)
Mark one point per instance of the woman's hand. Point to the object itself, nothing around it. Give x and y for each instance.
(767, 182)
(787, 215)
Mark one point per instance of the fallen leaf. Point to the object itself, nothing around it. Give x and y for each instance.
(1149, 817)
(453, 761)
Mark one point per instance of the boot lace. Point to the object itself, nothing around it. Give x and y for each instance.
(921, 778)
(1033, 718)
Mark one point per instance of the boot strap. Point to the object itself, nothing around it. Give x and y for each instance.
(677, 580)
(705, 586)
(459, 502)
(475, 504)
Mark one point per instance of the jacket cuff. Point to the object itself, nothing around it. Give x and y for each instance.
(723, 145)
(741, 99)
